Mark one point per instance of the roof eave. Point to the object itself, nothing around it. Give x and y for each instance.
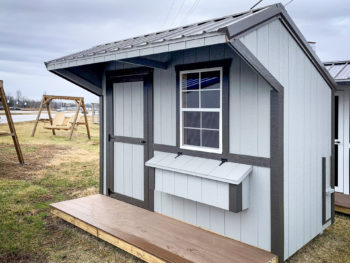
(168, 46)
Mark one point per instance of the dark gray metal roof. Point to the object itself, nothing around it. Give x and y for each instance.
(339, 70)
(209, 27)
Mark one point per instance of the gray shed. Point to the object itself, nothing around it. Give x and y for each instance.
(224, 124)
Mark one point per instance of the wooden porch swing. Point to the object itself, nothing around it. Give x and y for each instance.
(12, 132)
(60, 122)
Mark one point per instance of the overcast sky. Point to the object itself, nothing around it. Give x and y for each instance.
(35, 31)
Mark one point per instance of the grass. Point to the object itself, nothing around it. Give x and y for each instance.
(57, 169)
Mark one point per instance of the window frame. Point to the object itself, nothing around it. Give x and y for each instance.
(182, 110)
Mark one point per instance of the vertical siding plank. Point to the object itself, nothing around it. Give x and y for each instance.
(137, 109)
(249, 136)
(263, 118)
(118, 93)
(157, 202)
(233, 225)
(194, 188)
(203, 216)
(180, 182)
(168, 182)
(235, 105)
(128, 167)
(217, 220)
(209, 192)
(264, 206)
(178, 208)
(216, 52)
(127, 124)
(250, 217)
(190, 212)
(119, 168)
(138, 171)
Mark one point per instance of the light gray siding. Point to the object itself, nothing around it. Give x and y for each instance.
(128, 109)
(249, 102)
(249, 132)
(194, 188)
(129, 170)
(251, 226)
(307, 130)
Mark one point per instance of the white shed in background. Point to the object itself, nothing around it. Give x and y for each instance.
(340, 71)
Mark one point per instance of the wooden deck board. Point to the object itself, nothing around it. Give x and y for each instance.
(342, 203)
(151, 236)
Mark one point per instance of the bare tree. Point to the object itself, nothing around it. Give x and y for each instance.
(18, 95)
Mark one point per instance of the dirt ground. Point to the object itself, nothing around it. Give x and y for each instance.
(57, 169)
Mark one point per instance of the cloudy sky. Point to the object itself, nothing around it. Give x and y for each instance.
(35, 31)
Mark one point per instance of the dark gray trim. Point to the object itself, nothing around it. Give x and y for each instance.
(246, 55)
(235, 198)
(77, 80)
(236, 158)
(332, 156)
(146, 62)
(226, 108)
(117, 76)
(324, 190)
(148, 86)
(124, 139)
(250, 22)
(276, 147)
(277, 173)
(225, 64)
(239, 28)
(102, 140)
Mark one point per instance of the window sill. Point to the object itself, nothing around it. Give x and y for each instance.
(201, 149)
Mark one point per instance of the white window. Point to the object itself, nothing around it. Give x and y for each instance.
(201, 110)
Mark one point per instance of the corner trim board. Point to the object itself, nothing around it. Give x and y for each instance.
(235, 198)
(102, 141)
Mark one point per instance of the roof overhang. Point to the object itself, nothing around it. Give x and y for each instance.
(230, 33)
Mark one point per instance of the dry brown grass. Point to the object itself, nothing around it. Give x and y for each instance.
(57, 169)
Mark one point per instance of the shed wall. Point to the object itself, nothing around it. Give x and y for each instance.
(307, 130)
(249, 101)
(249, 131)
(251, 226)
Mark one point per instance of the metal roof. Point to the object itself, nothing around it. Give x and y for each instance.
(211, 27)
(339, 70)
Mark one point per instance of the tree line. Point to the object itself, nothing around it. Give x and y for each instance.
(22, 102)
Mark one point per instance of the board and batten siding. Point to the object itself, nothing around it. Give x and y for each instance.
(249, 126)
(307, 130)
(249, 131)
(251, 226)
(249, 134)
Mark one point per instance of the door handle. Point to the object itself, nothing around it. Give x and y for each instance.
(143, 141)
(337, 142)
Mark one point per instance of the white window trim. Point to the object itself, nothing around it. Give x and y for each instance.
(181, 110)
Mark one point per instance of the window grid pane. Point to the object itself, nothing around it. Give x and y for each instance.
(208, 133)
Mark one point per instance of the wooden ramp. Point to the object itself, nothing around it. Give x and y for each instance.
(153, 237)
(342, 203)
